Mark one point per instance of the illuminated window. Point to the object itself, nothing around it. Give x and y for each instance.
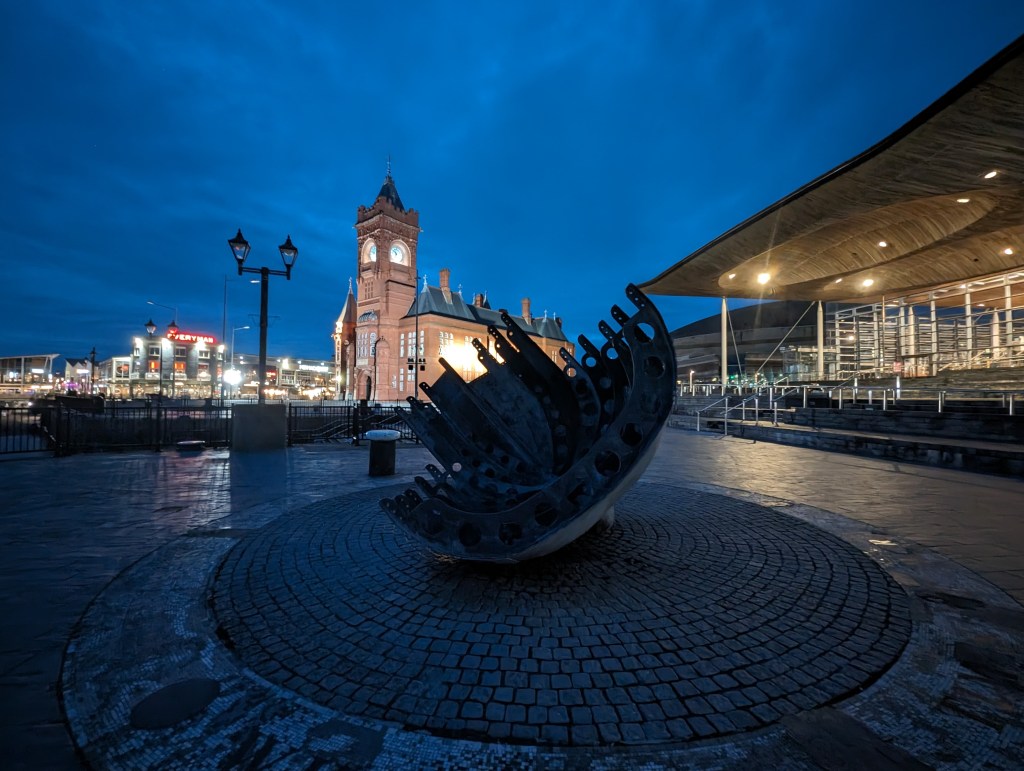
(179, 350)
(204, 353)
(154, 350)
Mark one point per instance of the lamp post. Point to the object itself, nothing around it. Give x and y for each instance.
(232, 349)
(150, 331)
(172, 329)
(224, 327)
(691, 382)
(416, 356)
(92, 371)
(240, 250)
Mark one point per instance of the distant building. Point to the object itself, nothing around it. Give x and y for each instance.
(375, 337)
(19, 373)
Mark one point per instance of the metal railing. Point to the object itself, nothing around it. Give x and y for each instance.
(851, 395)
(21, 431)
(133, 427)
(324, 423)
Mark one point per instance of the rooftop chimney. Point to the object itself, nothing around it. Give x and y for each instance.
(445, 275)
(526, 310)
(478, 300)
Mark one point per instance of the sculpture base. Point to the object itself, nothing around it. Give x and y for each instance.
(653, 631)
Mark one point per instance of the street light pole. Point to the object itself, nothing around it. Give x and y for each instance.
(92, 371)
(236, 329)
(172, 328)
(416, 356)
(240, 249)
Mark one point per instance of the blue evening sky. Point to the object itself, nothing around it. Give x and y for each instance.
(554, 149)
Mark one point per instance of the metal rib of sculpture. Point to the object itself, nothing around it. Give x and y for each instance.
(535, 454)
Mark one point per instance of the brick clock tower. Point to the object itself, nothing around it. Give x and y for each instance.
(386, 237)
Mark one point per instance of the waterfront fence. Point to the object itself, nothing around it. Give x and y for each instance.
(95, 425)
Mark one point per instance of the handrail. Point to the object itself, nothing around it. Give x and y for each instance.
(1010, 400)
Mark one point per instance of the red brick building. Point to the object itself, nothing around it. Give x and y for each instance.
(375, 335)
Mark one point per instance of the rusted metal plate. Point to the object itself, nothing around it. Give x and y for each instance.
(534, 453)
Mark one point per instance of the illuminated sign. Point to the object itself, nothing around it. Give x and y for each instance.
(191, 337)
(313, 368)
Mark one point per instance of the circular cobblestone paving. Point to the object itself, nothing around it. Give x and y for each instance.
(697, 615)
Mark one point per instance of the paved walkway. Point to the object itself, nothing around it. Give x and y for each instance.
(73, 525)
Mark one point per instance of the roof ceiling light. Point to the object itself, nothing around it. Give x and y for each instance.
(764, 278)
(963, 200)
(883, 244)
(1007, 250)
(732, 275)
(991, 174)
(867, 282)
(839, 280)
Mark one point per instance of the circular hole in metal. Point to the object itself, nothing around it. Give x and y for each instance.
(577, 494)
(609, 406)
(589, 362)
(510, 532)
(605, 383)
(570, 371)
(654, 367)
(607, 463)
(631, 434)
(545, 514)
(469, 534)
(611, 353)
(643, 332)
(456, 468)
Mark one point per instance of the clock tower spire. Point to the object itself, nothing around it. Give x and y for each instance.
(386, 239)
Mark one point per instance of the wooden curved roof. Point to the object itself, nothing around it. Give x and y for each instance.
(918, 209)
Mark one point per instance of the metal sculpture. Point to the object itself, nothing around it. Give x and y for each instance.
(535, 454)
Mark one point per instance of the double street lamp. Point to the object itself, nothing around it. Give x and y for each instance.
(172, 329)
(240, 250)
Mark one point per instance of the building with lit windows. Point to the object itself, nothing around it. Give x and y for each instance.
(390, 334)
(182, 363)
(910, 256)
(24, 373)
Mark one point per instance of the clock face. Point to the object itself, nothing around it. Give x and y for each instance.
(370, 252)
(398, 253)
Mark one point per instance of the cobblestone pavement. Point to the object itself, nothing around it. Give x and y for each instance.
(72, 525)
(695, 616)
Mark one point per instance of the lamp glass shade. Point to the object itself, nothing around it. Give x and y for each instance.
(289, 253)
(239, 247)
(172, 329)
(150, 327)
